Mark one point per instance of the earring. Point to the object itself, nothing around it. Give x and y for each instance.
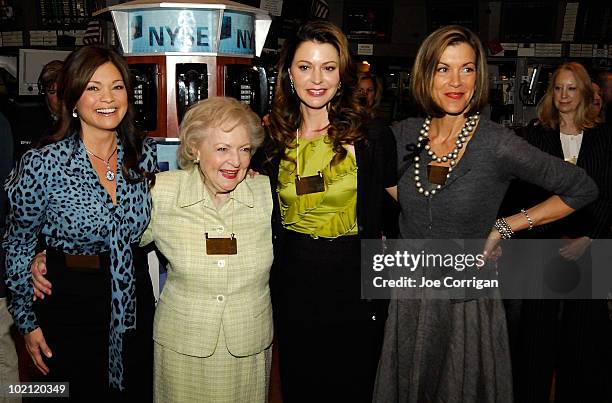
(74, 113)
(292, 86)
(339, 85)
(196, 160)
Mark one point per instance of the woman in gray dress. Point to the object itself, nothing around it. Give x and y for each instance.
(448, 350)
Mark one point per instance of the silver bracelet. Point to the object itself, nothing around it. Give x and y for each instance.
(501, 225)
(529, 219)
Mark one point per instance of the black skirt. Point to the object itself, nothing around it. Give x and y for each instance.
(329, 338)
(75, 322)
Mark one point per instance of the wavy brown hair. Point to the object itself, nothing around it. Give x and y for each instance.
(346, 116)
(426, 63)
(586, 116)
(78, 69)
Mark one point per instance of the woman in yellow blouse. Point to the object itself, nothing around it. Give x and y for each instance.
(328, 169)
(213, 323)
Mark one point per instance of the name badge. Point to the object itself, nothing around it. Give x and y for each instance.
(221, 246)
(309, 184)
(437, 174)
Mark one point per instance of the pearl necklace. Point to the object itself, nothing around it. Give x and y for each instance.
(452, 156)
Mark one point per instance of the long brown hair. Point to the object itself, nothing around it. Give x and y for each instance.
(78, 69)
(346, 116)
(586, 116)
(426, 62)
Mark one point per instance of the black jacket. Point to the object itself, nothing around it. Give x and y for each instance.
(593, 220)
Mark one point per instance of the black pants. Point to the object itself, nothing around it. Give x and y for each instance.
(568, 338)
(329, 338)
(75, 321)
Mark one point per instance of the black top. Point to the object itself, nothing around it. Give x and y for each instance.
(6, 164)
(593, 220)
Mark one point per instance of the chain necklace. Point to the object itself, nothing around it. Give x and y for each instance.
(306, 184)
(451, 157)
(109, 175)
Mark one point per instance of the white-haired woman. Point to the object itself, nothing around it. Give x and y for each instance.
(213, 324)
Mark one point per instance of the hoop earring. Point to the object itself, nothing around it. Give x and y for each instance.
(74, 113)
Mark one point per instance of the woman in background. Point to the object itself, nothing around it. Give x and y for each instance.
(369, 92)
(86, 196)
(451, 187)
(47, 87)
(48, 80)
(327, 172)
(567, 338)
(598, 99)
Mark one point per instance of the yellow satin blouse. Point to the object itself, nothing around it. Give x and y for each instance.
(328, 214)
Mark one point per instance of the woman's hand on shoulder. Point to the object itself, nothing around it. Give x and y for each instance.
(38, 269)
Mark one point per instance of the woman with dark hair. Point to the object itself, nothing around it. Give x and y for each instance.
(571, 335)
(47, 86)
(451, 186)
(327, 172)
(86, 196)
(597, 99)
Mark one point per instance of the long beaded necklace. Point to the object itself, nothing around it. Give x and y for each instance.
(109, 175)
(452, 156)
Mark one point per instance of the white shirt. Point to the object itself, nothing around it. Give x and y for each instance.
(571, 146)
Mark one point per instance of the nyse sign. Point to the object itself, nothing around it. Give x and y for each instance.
(191, 31)
(178, 37)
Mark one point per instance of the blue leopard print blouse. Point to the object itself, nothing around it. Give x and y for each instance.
(55, 192)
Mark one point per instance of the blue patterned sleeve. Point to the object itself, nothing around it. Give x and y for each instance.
(148, 164)
(26, 192)
(149, 156)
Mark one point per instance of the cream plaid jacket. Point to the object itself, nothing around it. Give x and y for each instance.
(203, 293)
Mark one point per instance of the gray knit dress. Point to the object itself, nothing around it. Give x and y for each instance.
(443, 351)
